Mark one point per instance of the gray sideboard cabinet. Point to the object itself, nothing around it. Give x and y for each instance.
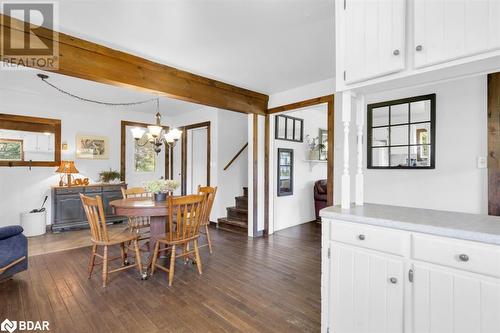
(67, 209)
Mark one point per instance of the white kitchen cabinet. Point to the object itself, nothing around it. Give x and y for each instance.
(449, 30)
(447, 300)
(367, 290)
(374, 38)
(381, 279)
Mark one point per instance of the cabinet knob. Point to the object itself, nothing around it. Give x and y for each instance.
(396, 52)
(361, 237)
(393, 280)
(463, 257)
(419, 48)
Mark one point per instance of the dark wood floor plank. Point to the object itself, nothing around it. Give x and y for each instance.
(268, 284)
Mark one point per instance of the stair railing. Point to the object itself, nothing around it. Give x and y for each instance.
(235, 156)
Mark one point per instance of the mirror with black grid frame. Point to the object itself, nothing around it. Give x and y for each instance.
(401, 133)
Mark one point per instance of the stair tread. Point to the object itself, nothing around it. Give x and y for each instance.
(239, 232)
(239, 209)
(235, 222)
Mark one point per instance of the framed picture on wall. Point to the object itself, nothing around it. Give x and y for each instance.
(11, 150)
(92, 147)
(285, 172)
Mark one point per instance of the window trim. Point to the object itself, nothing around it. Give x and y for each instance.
(369, 131)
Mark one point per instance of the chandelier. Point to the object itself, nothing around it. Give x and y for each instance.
(156, 136)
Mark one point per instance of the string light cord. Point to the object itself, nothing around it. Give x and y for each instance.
(44, 78)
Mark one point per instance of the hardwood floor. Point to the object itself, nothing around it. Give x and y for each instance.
(248, 285)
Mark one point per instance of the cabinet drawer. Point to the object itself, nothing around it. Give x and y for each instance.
(69, 190)
(93, 189)
(380, 239)
(469, 256)
(114, 188)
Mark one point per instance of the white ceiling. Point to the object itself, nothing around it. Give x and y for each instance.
(26, 82)
(264, 45)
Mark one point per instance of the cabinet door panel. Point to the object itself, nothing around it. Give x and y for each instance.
(69, 208)
(449, 30)
(374, 30)
(448, 301)
(364, 299)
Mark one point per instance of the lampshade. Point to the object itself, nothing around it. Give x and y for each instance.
(137, 132)
(155, 130)
(176, 134)
(67, 167)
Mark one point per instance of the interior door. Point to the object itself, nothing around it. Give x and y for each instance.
(367, 291)
(197, 159)
(446, 300)
(374, 38)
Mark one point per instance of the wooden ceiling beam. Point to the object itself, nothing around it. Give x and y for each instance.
(87, 60)
(301, 104)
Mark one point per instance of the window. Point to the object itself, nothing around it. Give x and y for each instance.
(289, 128)
(285, 172)
(401, 133)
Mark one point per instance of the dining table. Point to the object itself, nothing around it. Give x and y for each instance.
(157, 211)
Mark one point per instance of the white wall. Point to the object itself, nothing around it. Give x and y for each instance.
(312, 90)
(456, 184)
(299, 207)
(21, 189)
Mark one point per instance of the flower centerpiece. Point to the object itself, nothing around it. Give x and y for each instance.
(161, 187)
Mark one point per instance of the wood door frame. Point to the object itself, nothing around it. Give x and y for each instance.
(169, 154)
(184, 143)
(493, 144)
(329, 100)
(33, 124)
(90, 61)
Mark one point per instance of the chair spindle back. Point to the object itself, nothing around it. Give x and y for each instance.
(210, 193)
(135, 192)
(95, 215)
(187, 213)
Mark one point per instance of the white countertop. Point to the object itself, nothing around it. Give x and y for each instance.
(474, 227)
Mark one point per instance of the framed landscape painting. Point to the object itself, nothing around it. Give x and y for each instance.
(92, 147)
(11, 150)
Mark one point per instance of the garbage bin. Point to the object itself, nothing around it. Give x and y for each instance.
(33, 223)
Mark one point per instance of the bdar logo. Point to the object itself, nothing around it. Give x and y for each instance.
(8, 326)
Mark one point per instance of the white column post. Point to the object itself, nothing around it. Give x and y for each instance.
(346, 178)
(360, 121)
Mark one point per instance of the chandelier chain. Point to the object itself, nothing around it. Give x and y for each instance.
(151, 100)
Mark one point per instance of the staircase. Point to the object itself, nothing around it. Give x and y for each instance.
(237, 217)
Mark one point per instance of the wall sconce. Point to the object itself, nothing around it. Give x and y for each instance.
(64, 146)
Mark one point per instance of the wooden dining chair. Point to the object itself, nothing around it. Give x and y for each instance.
(101, 238)
(210, 193)
(138, 223)
(187, 212)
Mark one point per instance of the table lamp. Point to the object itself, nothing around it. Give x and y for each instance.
(67, 167)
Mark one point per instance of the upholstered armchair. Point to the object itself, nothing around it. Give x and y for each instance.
(320, 195)
(13, 251)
